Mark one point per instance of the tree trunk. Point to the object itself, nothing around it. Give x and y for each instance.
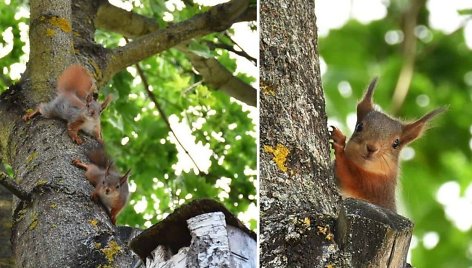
(304, 222)
(56, 224)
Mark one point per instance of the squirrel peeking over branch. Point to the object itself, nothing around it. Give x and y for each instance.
(367, 166)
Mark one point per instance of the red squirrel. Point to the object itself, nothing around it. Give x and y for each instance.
(366, 167)
(74, 103)
(111, 188)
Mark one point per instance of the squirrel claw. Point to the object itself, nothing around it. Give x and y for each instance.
(337, 137)
(77, 140)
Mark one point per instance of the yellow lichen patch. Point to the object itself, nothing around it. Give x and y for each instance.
(32, 157)
(280, 155)
(21, 214)
(50, 32)
(98, 245)
(111, 250)
(325, 230)
(330, 266)
(41, 182)
(53, 205)
(34, 222)
(61, 23)
(93, 222)
(307, 221)
(29, 111)
(267, 90)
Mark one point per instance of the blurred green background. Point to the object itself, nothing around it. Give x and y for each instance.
(218, 132)
(421, 48)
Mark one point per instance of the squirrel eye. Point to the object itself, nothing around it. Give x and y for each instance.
(359, 127)
(396, 143)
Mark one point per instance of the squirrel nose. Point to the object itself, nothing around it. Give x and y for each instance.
(371, 149)
(107, 191)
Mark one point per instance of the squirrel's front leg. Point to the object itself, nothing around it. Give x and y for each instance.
(97, 133)
(339, 141)
(31, 114)
(341, 165)
(80, 164)
(73, 130)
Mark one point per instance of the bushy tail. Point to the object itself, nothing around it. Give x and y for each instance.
(76, 79)
(99, 157)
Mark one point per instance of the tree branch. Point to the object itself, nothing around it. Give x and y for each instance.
(131, 25)
(162, 113)
(13, 187)
(218, 18)
(409, 55)
(217, 76)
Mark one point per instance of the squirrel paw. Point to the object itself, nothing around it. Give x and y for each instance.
(77, 140)
(28, 116)
(339, 140)
(77, 162)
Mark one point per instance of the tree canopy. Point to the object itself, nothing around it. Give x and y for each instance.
(431, 68)
(174, 93)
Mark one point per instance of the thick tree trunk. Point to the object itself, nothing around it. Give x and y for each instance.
(304, 222)
(58, 225)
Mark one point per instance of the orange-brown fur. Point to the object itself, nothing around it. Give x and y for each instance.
(74, 103)
(111, 188)
(366, 167)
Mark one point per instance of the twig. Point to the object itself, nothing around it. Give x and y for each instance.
(187, 90)
(242, 50)
(409, 55)
(162, 113)
(13, 187)
(241, 53)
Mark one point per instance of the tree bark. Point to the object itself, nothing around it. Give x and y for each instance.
(304, 222)
(60, 226)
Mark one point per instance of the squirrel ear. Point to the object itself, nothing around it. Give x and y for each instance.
(89, 98)
(125, 177)
(414, 130)
(366, 105)
(106, 102)
(109, 164)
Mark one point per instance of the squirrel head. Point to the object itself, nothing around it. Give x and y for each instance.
(378, 138)
(93, 107)
(112, 182)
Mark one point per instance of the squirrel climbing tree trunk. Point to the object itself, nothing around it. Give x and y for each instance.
(54, 222)
(304, 222)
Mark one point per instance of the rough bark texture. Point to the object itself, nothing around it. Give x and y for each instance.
(304, 223)
(6, 258)
(60, 226)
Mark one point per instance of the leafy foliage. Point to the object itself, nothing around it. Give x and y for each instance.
(138, 138)
(356, 53)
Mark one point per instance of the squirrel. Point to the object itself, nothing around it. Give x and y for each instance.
(75, 104)
(111, 188)
(366, 167)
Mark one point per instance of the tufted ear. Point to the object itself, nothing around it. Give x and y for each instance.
(366, 105)
(414, 130)
(105, 103)
(125, 177)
